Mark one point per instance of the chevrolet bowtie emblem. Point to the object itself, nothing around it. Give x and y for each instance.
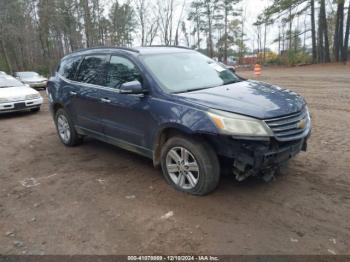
(301, 124)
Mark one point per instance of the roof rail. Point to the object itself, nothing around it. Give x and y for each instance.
(176, 46)
(127, 49)
(105, 47)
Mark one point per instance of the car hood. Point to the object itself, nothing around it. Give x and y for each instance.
(18, 92)
(33, 79)
(250, 98)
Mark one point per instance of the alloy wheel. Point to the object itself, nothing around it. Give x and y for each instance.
(182, 168)
(63, 128)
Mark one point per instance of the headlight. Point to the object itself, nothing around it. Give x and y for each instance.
(238, 125)
(3, 100)
(33, 96)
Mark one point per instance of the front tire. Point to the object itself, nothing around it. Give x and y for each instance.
(190, 165)
(66, 130)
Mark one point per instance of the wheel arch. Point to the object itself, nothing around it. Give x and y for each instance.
(167, 132)
(56, 106)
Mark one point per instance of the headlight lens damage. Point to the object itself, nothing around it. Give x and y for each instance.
(238, 125)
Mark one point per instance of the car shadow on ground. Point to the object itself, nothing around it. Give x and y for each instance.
(17, 114)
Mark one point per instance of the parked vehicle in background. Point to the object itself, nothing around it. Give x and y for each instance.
(16, 96)
(32, 79)
(190, 115)
(2, 73)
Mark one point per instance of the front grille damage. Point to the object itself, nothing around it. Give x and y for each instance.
(291, 127)
(264, 160)
(256, 158)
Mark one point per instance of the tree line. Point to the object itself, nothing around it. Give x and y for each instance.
(35, 34)
(322, 21)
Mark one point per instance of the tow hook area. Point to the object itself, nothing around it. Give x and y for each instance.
(263, 161)
(242, 171)
(269, 174)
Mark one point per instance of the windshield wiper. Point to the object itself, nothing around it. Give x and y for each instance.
(5, 86)
(232, 82)
(193, 90)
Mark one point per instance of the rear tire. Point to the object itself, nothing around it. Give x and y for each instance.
(190, 165)
(66, 130)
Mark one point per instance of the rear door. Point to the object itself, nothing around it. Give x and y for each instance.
(66, 72)
(89, 81)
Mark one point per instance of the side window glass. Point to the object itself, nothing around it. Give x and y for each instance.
(121, 70)
(68, 67)
(92, 70)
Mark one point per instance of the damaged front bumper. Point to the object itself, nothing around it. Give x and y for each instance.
(257, 158)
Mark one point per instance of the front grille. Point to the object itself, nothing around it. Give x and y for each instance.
(291, 127)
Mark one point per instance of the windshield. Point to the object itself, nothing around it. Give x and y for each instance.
(27, 74)
(188, 71)
(9, 82)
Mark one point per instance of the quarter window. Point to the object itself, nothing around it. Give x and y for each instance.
(92, 70)
(68, 67)
(121, 70)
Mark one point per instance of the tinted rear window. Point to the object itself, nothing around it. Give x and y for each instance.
(68, 67)
(93, 70)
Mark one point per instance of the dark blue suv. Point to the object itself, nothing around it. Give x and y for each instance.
(186, 112)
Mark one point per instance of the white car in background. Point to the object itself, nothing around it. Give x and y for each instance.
(2, 73)
(16, 96)
(32, 79)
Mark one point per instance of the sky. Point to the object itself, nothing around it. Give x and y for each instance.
(252, 8)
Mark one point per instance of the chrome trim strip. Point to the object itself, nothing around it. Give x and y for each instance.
(88, 85)
(284, 117)
(285, 128)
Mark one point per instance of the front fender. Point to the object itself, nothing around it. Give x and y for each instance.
(179, 118)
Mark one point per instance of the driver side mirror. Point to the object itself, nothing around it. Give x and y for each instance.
(133, 87)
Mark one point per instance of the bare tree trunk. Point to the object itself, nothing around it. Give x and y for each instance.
(210, 39)
(279, 40)
(339, 31)
(290, 28)
(313, 32)
(320, 55)
(7, 60)
(141, 8)
(283, 39)
(178, 24)
(87, 22)
(242, 39)
(225, 41)
(326, 39)
(324, 54)
(171, 21)
(198, 33)
(346, 40)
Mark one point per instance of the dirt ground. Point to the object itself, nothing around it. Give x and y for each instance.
(98, 199)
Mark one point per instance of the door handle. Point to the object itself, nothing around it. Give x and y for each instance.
(72, 93)
(105, 100)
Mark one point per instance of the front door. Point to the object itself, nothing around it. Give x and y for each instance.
(125, 116)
